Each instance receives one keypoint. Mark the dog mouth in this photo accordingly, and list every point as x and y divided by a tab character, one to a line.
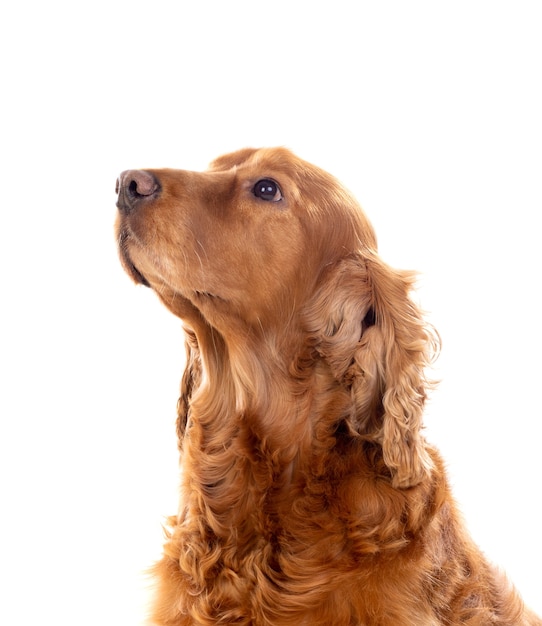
128	243
207	295
200	296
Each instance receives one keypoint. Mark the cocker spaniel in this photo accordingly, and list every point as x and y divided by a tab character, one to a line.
309	496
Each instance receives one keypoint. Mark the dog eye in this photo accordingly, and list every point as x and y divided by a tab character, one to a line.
267	189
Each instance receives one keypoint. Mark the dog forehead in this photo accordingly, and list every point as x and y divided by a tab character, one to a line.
260	159
232	160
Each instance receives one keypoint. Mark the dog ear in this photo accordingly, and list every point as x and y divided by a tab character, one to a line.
377	345
409	345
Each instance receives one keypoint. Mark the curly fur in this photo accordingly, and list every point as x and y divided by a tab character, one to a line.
308	493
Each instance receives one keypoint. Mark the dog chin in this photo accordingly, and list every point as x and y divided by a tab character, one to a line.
136	275
127	262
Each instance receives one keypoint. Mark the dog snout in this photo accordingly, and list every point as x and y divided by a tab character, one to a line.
132	187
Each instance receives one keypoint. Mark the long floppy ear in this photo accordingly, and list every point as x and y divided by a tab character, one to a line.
377	345
410	345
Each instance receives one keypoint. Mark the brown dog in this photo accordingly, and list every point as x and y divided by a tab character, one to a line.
309	496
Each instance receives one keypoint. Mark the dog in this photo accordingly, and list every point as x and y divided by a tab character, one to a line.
308	494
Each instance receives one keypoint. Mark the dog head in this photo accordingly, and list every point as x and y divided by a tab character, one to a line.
265	244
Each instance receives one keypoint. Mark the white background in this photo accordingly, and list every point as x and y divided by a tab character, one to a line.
430	112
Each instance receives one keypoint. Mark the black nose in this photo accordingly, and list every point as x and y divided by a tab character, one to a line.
133	186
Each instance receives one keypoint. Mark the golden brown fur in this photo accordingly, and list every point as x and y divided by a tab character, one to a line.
309	496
